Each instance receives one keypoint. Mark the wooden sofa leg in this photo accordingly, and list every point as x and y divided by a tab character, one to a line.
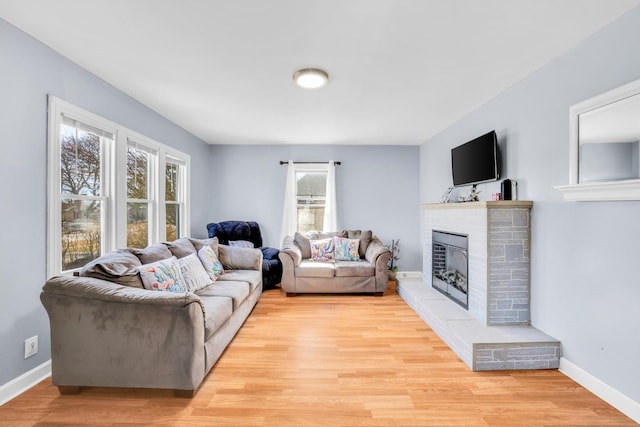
290	294
378	294
69	389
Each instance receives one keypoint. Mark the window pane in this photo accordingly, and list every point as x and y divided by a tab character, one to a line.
173	221
311	188
81	232
310	218
171	182
137	225
80	159
137	173
311	184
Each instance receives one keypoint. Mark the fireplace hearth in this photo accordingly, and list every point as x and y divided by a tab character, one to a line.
451	265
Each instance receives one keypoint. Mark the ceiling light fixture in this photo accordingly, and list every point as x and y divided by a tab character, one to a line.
311	78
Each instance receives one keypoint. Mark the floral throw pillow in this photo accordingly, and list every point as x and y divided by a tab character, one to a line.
163	275
210	262
346	249
321	250
194	274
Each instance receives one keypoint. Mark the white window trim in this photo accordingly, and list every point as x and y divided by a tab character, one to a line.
115	183
183	193
152	192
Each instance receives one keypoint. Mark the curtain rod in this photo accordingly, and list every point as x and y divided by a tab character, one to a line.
286	162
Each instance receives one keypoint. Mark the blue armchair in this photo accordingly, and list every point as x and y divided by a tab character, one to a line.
250	231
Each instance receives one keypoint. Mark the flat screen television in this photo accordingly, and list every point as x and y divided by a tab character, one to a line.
476	161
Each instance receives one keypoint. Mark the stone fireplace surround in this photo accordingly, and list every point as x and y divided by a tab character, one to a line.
495	332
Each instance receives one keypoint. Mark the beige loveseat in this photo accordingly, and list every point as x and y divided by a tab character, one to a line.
108	331
366	274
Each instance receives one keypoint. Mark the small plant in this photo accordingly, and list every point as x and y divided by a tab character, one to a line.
394	247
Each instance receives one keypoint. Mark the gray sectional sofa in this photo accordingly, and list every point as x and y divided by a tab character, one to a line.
108	331
366	273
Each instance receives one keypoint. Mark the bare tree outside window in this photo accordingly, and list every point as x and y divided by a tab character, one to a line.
137	198
81	188
172	200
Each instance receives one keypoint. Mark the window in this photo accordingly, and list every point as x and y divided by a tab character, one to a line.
140	162
83	191
310	198
106	188
174	197
311	192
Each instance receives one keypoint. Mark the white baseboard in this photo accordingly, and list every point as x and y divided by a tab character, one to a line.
604	391
24	382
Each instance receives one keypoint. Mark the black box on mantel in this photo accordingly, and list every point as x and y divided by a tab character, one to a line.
509	190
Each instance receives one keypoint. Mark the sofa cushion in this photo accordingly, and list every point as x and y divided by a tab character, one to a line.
252	277
199	243
354	269
212	266
303	240
181	247
152	253
241	244
163	275
303	243
314	269
233	258
346	249
194	274
365	237
117	267
237	291
217	309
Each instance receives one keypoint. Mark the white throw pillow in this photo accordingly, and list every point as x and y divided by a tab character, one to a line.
163	275
194	273
212	265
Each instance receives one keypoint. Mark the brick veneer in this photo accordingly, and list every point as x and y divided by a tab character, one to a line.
508	266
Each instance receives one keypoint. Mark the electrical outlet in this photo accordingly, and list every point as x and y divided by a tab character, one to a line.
30	346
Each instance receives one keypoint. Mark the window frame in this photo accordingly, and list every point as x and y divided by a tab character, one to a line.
182	192
114	175
152	193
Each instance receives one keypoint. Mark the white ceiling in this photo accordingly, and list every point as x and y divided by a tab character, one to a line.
400	70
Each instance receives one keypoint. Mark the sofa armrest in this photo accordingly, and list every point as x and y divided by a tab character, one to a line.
109	335
237	258
379	255
292	249
290	256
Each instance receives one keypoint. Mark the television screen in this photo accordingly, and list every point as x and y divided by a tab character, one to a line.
476	161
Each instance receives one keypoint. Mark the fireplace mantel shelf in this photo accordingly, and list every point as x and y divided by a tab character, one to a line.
506	204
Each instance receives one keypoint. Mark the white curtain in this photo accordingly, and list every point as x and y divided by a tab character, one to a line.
330	222
289	213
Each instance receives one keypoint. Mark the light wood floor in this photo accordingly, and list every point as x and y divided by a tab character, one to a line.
332	361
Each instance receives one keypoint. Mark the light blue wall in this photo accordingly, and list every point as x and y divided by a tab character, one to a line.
377	189
584	281
28	72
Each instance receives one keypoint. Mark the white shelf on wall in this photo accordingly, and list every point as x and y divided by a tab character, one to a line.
601	191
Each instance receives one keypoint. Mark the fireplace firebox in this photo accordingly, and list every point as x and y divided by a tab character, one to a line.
450	265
